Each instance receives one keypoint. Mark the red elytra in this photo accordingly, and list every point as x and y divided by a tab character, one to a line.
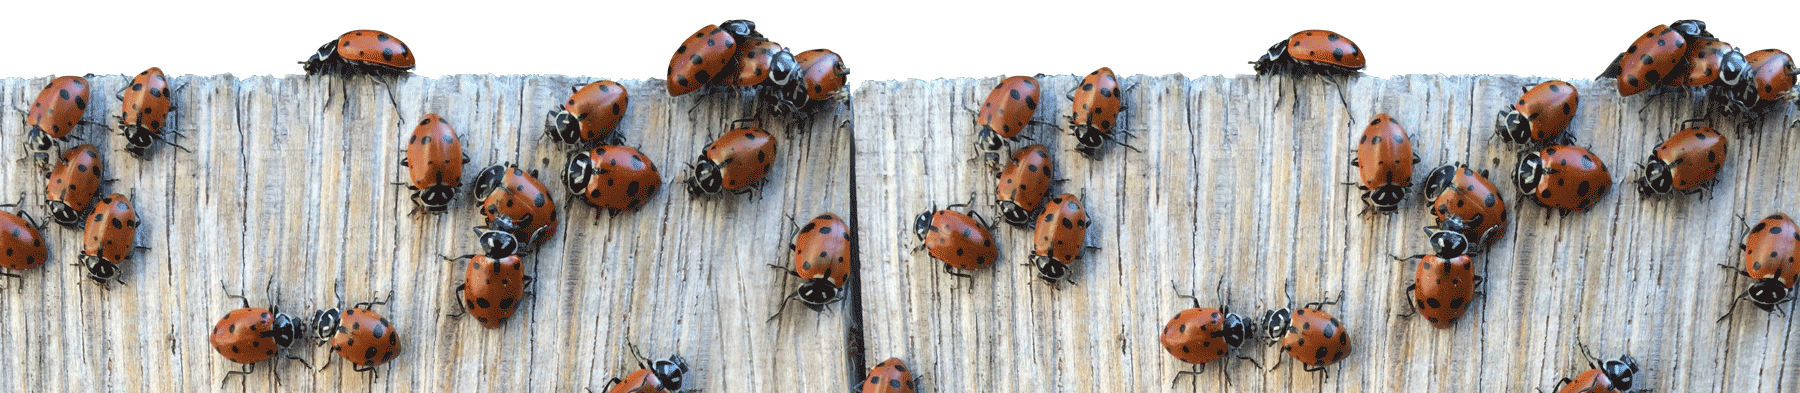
822	73
591	115
889	376
615	178
1200	335
755	62
144	110
961	241
1008	109
1773	73
1311	336
1685	162
1443	288
109	238
434	162
24	244
508	190
1566	178
1094	108
1384	161
58	108
493	288
245	335
359	335
738	162
1461	191
1701	64
659	377
1059	239
361	52
1021	187
70	188
1649	59
699	60
1310	52
1541	115
821	252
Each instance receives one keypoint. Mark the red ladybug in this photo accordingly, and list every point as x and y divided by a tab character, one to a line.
1020	189
1384	160
657	377
1709	63
703	56
889	376
1312	337
361	52
1612	376
1312	52
434	161
1199	335
822	78
1008	109
70	189
1541	115
109	239
1059	239
249	335
759	62
23	242
591	115
53	116
1771	78
615	178
962	241
821	257
506	190
1653	56
1461	192
1769	250
144	111
1566	178
1444	282
1688	161
1094	111
363	337
493	287
738	161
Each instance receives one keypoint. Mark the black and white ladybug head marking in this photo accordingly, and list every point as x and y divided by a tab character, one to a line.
707	178
576	174
1733	69
436	199
488	180
1529	172
1690	28
1237	329
922	224
325	325
1088	140
563	127
1449	241
138	140
1767	293
1438	180
100	270
326	52
783	69
38	141
1386	199
1013	214
669	372
740	28
1050	270
497	240
1275	53
1275	325
1512	126
287	329
63	214
1657	178
818	292
1620	371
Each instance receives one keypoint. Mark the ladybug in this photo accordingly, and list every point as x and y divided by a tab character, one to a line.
889	376
1009	107
53	116
1566	178
70	189
1612	376
1541	115
1688	161
1460	192
660	376
1769	250
1709	62
1771	78
1312	52
361	52
1444	282
1094	111
1199	335
144	111
1653	56
363	337
1059	239
249	335
615	178
1388	151
24	245
821	257
506	190
703	57
1312	337
493	287
759	62
108	239
962	241
591	115
1020	189
822	74
436	150
738	161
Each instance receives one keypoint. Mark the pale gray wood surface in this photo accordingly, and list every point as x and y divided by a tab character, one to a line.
1238	184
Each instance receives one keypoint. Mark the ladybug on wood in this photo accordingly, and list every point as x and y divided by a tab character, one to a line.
109	239
1459	191
1566	178
651	377
53	116
363	337
702	58
1314	338
759	62
492	287
1384	160
1710	63
822	78
1008	109
615	178
889	376
1772	75
590	116
1541	115
1059	239
70	188
1094	109
962	241
1312	52
739	162
821	252
434	162
1653	56
144	108
1444	281
506	190
1198	335
250	335
1769	250
1021	187
1611	376
23	241
1688	161
361	52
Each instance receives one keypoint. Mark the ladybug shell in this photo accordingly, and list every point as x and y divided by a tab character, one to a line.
1701	65
365	338
1468	194
1061	232
699	59
1590	381
493	288
521	194
71	187
1769	250
750	64
1196	335
1009	107
960	241
434	155
1325	47
1572	178
1650	59
59	107
1384	158
111	229
144	107
242	335
640	381
599	107
743	156
822	249
1095	105
623	179
1023	185
1549	106
374	47
1316	338
890	376
1773	68
24	245
823	71
1444	288
1692	156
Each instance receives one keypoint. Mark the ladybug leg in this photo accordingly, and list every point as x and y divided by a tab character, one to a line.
228	294
1194	373
952	271
243	373
1410	307
460	308
1189	295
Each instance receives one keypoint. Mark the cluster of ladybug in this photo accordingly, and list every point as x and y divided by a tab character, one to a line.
733	56
1683	55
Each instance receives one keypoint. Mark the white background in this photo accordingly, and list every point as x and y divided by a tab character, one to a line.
879	40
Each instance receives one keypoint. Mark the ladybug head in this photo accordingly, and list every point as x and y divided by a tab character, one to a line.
1050	270
1512	126
740	28
1276	53
286	329
576	173
1767	293
1088	139
138	140
563	127
1619	371
488	180
65	215
1733	69
782	68
1387	198
706	180
324	325
1438	180
100	270
990	142
1690	28
37	140
1237	329
1529	172
1013	214
497	239
1447	238
922	224
669	372
325	52
1275	325
817	293
1657	178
